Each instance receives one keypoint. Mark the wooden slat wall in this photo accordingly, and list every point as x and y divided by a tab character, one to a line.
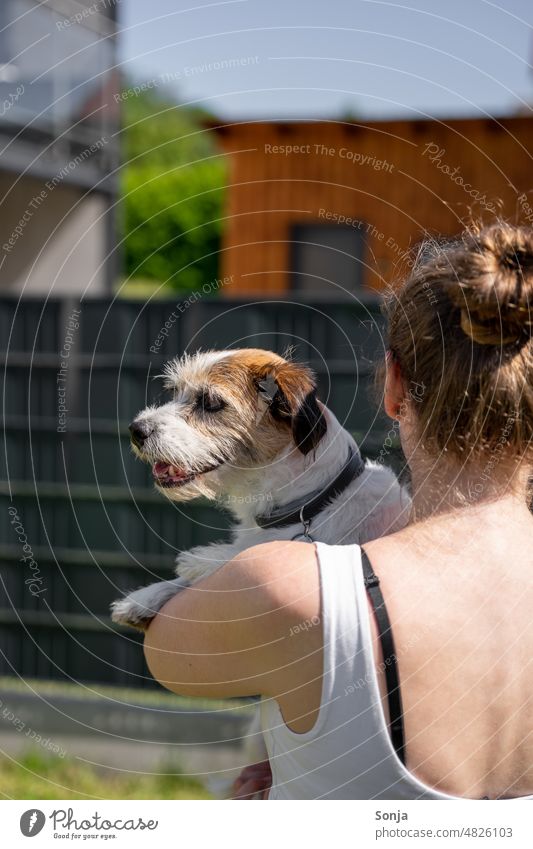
271	192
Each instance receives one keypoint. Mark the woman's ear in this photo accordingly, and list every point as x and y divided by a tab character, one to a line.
394	400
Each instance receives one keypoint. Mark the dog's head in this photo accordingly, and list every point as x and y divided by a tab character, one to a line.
227	411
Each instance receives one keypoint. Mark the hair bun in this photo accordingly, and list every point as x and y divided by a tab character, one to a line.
494	284
516	260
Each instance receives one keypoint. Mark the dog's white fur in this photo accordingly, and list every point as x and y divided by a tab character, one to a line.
262	468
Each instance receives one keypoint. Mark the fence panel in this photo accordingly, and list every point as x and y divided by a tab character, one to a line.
83	504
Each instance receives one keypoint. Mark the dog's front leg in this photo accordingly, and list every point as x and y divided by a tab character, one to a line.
139	608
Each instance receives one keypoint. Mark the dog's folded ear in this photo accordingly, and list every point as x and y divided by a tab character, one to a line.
290	391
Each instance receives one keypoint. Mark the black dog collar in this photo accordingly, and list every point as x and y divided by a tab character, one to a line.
303	511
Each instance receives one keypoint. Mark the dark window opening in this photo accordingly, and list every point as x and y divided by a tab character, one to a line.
327	259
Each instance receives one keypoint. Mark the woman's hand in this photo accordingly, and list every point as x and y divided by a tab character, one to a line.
254	782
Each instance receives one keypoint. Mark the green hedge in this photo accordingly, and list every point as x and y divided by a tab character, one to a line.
172	188
172	221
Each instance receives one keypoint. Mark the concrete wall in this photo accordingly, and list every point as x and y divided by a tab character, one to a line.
114	731
52	240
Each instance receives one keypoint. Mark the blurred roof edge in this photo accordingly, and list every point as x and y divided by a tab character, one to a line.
285	124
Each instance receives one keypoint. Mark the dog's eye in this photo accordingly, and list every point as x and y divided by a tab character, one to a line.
209	403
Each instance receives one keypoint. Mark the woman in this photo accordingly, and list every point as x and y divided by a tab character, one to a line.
295	622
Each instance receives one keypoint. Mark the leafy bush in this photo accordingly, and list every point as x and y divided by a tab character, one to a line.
173	193
172	223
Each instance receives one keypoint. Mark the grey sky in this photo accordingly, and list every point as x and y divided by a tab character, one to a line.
302	58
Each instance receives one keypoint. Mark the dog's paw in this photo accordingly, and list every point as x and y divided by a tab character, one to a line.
139	608
128	612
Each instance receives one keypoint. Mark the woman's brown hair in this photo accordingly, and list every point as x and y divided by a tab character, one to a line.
461	328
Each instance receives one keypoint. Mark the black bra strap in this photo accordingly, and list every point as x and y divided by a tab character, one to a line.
389	656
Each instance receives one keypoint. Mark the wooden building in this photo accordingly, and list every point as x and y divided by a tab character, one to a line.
327	207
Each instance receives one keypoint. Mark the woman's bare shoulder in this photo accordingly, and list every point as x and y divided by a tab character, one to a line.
274	554
286	571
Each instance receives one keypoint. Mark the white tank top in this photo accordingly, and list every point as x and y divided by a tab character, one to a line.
348	754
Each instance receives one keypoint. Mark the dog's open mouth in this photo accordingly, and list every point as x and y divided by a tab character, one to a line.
167	475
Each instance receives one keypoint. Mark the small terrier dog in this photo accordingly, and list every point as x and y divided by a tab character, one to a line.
244	428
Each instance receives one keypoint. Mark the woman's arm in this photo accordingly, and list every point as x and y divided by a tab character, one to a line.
236	633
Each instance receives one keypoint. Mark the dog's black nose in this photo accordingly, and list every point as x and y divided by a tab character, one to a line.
140	431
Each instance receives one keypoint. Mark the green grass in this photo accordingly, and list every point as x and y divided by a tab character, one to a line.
37	776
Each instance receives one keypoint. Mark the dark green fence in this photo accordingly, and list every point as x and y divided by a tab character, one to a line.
73	494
